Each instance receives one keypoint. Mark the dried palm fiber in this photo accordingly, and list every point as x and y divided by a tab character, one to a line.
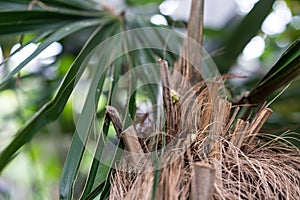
245	167
246	164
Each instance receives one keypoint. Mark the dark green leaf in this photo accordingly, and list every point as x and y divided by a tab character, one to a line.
242	34
85	123
142	2
51	5
100	145
79	4
286	69
96	163
77	147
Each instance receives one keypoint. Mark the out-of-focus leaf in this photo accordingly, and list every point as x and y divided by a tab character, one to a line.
78	5
15	29
142	2
286	69
56	36
28	16
242	34
21	21
291	54
37	39
52	109
14	5
37	16
6	44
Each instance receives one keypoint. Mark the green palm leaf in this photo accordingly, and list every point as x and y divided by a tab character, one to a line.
56	36
84	124
51	110
236	41
286	69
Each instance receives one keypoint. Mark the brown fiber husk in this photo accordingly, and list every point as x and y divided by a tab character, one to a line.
245	164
